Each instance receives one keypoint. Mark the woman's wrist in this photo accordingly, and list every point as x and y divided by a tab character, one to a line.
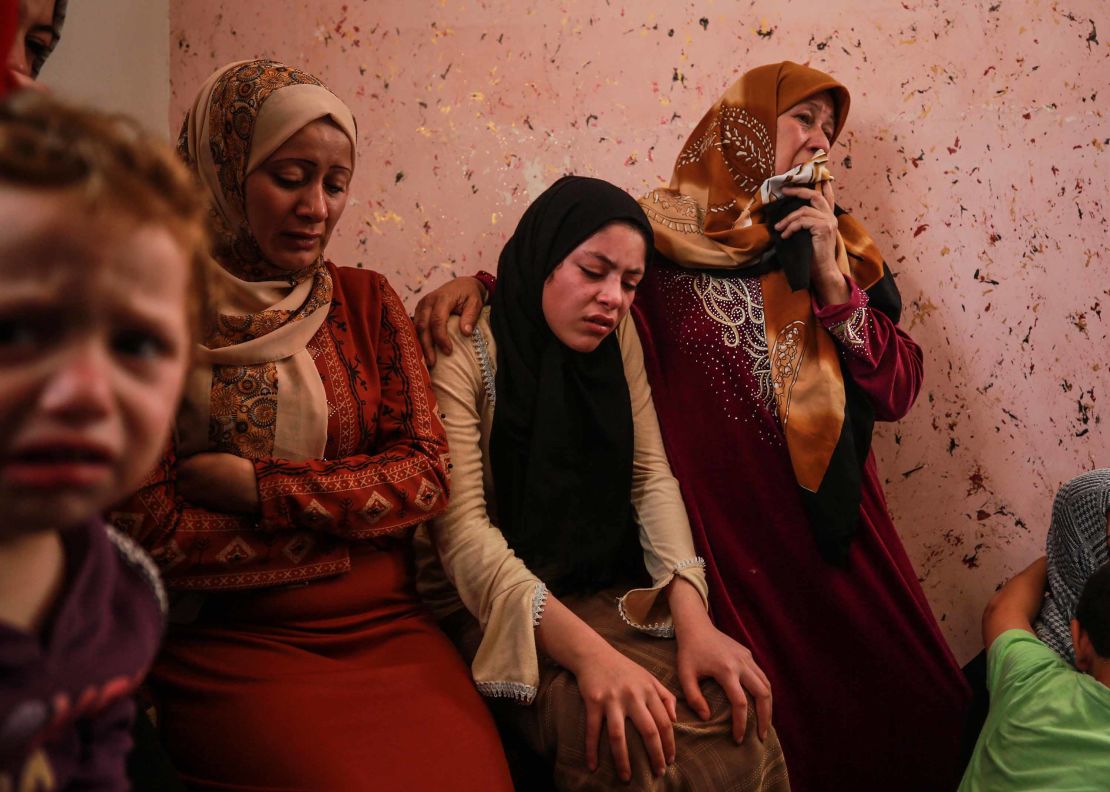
487	282
831	288
687	607
567	639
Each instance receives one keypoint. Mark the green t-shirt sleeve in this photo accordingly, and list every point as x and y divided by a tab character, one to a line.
1015	657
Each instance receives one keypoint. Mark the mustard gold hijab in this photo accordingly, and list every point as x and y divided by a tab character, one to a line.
717	214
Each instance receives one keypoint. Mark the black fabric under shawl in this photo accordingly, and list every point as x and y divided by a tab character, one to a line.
561	443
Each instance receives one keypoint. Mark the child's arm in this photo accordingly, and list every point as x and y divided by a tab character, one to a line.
1017	603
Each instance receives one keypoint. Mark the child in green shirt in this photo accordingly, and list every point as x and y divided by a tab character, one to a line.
1049	724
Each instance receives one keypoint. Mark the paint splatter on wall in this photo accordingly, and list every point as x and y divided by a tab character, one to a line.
974	153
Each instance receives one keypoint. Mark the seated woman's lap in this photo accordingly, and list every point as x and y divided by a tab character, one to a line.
373	697
554	725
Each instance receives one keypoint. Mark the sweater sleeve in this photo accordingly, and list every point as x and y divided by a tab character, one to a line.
403	482
877	354
494	584
308	509
657	501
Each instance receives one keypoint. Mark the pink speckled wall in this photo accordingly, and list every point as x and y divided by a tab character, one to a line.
974	152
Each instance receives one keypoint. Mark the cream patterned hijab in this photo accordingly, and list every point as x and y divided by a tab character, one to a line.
261	395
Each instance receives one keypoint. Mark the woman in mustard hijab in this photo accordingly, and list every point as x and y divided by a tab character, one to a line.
769	324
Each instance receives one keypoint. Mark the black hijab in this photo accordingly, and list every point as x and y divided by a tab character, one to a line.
561	444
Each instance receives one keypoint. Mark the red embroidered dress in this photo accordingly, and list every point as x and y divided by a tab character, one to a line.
384	468
311	663
299	687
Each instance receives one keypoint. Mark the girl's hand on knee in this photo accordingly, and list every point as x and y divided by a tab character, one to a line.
615	689
708	652
705	651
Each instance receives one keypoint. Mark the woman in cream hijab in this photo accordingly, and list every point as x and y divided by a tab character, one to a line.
306	452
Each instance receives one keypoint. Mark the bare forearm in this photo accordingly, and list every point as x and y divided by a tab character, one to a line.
687	608
830	287
1017	603
567	639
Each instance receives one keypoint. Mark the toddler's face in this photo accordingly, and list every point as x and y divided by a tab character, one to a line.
94	345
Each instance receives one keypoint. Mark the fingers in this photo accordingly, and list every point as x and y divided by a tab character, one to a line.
688	679
471	309
441	310
646	723
756	684
593	734
817	197
665	726
739	701
806	217
421	320
668	699
651	717
614	718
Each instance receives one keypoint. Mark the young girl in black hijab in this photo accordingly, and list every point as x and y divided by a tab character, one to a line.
562	500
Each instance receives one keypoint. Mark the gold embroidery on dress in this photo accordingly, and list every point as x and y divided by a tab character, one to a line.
786	363
736	304
852	331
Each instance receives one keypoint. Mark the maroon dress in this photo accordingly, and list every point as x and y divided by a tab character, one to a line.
867	694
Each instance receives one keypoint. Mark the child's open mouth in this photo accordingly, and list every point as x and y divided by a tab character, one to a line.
67	464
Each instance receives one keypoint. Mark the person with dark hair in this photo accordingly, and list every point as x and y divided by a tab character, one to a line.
571	581
103	294
38	31
1049	724
769	323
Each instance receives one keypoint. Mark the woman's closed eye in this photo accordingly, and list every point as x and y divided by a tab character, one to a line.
37	45
289	178
36	50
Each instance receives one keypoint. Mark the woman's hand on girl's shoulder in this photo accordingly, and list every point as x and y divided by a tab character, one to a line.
464	296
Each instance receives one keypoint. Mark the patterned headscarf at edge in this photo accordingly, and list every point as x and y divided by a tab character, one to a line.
58	21
711	217
1077	547
261	396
